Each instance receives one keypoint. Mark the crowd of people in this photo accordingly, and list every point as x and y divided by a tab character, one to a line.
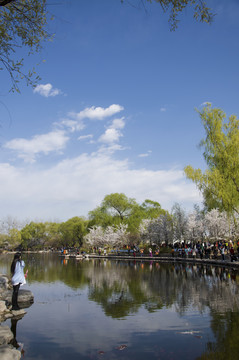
223	250
206	250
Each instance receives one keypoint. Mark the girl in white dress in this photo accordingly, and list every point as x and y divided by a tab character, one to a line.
18	278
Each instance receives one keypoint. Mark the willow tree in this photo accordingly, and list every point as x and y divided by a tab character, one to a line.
22	25
219	183
119	205
201	11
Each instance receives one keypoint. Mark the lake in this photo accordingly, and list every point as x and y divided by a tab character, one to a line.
109	309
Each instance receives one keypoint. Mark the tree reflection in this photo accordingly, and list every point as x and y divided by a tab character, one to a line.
225	327
50	268
122	288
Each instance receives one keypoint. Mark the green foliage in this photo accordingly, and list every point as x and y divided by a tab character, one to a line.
22	25
176	7
118	205
152	209
14	238
225	328
49	234
148	210
134	220
114	209
100	216
53	235
3	240
219	184
33	235
117	208
72	231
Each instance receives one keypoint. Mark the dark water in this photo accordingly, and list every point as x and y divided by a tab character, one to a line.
94	309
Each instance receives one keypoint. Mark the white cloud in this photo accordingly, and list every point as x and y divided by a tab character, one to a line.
145	154
85	137
108	149
99	113
163	109
71	125
110	136
76	186
74	121
45	143
118	123
46	90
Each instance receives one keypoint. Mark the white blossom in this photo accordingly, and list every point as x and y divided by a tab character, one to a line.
112	236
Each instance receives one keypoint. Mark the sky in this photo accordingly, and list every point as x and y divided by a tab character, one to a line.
115	109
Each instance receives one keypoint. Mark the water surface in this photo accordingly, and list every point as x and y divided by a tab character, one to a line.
95	309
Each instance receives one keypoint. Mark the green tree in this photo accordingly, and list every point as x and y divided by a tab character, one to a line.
53	235
176	7
100	216
22	25
152	209
219	183
4	241
148	210
118	205
117	208
34	235
14	237
73	231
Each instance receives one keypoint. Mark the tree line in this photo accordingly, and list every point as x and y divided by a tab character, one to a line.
121	221
115	210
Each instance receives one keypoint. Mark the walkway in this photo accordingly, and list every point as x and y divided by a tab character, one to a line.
169	259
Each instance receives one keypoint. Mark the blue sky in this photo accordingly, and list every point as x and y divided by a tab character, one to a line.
115	108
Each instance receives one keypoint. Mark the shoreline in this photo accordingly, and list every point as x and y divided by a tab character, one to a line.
168	259
138	258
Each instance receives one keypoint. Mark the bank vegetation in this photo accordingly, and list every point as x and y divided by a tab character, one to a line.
118	222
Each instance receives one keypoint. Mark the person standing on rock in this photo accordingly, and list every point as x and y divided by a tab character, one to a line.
18	278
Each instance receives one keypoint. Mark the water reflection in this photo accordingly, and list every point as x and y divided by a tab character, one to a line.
165	311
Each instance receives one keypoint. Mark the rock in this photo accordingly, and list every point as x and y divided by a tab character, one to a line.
5	335
18	313
4	311
7	352
7	316
25	297
4	282
4	294
3	307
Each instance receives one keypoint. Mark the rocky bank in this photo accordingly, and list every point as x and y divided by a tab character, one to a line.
7	338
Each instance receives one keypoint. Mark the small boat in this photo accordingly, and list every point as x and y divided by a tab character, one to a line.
77	256
80	256
64	256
